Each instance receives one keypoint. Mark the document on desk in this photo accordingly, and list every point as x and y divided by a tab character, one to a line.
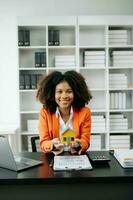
71	162
124	157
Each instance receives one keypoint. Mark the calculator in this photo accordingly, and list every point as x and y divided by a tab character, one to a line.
99	156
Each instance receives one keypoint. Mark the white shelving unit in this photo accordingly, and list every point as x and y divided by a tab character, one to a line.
77	36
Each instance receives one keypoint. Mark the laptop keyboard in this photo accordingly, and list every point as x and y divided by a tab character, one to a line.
22	162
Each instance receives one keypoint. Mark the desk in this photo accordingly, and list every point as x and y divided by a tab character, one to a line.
107	182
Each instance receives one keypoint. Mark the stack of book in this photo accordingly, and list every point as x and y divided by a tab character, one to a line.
124	157
29	144
118	122
40	59
95	143
29	81
117	100
98	123
118	37
117	81
23	37
122	58
53	37
94	58
65	61
119	141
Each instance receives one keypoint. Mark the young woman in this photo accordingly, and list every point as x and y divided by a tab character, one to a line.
64	96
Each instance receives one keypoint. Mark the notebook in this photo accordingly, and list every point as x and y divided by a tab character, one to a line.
124	157
70	162
15	163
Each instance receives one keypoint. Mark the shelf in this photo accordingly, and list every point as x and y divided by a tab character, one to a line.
62	47
122	110
28	133
123	89
31	68
123	131
30	112
76	36
31	47
34	90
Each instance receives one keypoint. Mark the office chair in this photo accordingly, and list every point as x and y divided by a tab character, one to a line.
33	143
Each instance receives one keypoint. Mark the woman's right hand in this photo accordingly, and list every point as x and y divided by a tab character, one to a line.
58	147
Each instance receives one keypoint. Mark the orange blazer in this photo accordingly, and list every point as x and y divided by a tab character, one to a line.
49	128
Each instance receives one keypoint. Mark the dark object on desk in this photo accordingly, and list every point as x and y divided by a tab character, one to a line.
33	143
100	157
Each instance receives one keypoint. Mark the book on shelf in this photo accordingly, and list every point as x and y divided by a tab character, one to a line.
118	32
98	123
123	57
120	141
120	146
65	57
124	157
122	52
65	60
120	137
118	36
117	100
116	116
94	65
93	61
94	57
94	53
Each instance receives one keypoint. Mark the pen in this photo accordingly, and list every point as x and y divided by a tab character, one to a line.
128	159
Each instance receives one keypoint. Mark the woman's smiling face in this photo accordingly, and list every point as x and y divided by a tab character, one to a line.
64	95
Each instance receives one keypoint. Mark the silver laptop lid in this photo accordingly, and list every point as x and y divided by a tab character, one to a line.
6	155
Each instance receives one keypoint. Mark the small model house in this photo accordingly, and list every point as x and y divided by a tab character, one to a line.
68	137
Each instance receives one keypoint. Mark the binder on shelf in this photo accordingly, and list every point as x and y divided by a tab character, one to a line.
33	81
43	59
37	59
50	37
20	37
56	38
26	37
38	78
27	81
21	82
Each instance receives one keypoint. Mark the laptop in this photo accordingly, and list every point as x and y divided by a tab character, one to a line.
12	162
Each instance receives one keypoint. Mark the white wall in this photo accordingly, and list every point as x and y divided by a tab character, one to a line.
9	10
